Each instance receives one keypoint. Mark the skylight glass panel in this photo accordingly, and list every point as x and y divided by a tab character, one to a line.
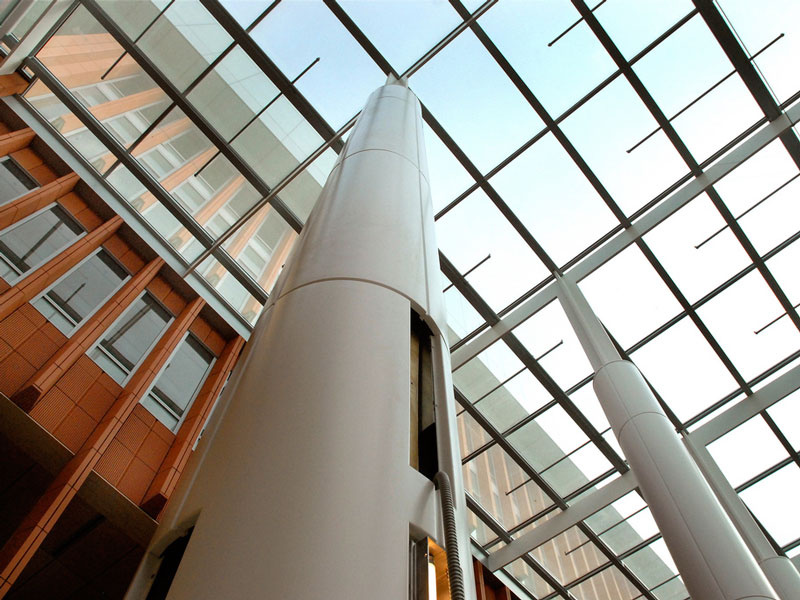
244	11
471	435
478	530
468	93
502	488
476	228
133	16
676	79
757	24
277	141
447	177
233	93
608	583
684	369
734	317
302	193
747	451
775	219
696	248
553	199
629	297
606	128
569	555
566	364
387	25
559	450
786	415
342	60
184	41
462	318
559	66
586	401
774	503
654	567
528	578
633	24
519	396
482	374
623	524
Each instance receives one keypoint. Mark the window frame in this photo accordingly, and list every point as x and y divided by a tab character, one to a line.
151	393
35	267
98	345
36	184
44	295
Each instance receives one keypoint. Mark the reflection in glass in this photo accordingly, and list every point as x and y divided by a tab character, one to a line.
131	337
81	291
31	242
179	382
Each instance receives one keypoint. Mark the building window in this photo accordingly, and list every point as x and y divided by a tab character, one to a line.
80	292
131	337
34	240
179	382
14	181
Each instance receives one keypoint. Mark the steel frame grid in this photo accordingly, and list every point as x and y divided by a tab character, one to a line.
481	182
758	262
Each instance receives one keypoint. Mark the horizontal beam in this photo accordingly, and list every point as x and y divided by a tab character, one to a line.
665	209
747	408
559	523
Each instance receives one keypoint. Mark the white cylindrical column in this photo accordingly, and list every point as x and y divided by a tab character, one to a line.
780	571
301	486
713	561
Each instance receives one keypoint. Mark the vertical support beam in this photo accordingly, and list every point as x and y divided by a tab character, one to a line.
37	281
15	140
315	424
83	339
174	462
780	571
711	557
36	199
41	519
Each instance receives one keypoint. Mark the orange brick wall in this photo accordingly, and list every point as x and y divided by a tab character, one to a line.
77	403
27	340
132	459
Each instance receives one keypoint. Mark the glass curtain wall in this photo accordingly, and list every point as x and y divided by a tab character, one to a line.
616	142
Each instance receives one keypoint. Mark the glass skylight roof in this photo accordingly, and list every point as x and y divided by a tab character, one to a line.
616	142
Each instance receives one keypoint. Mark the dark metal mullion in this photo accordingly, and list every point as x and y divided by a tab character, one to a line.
259	57
493	196
685	154
152	127
540	110
501	533
549	491
564	401
755	381
137	38
181	102
262	16
747	71
361	38
781	437
533	365
764	474
750	267
687	308
142	175
625	569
